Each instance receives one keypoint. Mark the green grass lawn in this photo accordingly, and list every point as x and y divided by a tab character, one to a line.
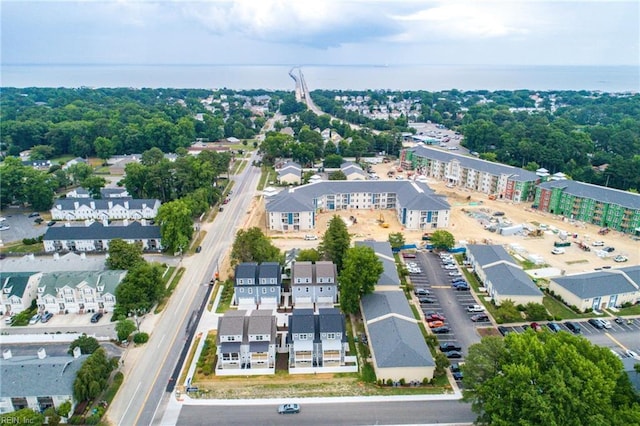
559	309
268	174
632	310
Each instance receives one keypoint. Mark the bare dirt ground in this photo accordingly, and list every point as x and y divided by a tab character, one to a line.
465	205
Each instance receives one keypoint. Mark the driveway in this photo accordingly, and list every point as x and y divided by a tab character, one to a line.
21	225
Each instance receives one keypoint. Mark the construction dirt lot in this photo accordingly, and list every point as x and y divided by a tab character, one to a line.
470	212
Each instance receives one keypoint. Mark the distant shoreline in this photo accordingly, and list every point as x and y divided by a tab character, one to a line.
611	79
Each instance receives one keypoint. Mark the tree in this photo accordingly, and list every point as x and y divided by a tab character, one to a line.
333	161
507	312
442	362
53	418
87	344
176	226
94	184
104	148
251	245
336	241
442	239
79	172
64	409
359	275
308	255
140	289
124	328
337	175
396	239
124	255
547	378
92	377
536	312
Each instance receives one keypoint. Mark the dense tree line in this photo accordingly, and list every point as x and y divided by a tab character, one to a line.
93	376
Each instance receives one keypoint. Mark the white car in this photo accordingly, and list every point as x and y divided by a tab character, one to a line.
34	319
605	323
597	243
557	250
632	354
310	237
455	274
475	308
5	228
450	267
619	258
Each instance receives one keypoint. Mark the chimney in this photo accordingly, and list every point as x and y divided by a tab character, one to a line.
6	354
76	205
143	222
110	204
77	352
125	222
42	354
105	222
88	222
126	205
92	204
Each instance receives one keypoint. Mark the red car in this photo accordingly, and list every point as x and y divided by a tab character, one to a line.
536	327
434	317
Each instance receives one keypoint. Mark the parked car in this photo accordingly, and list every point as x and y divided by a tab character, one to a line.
46	317
462	288
38	220
596	323
426	300
503	330
51	223
535	326
457	375
421	292
450	267
5	228
475	308
198	249
440	330
598	243
455	274
34	214
574	327
498	214
35	319
450	346
435	323
458	280
434	316
310	237
558	250
453	354
605	323
619	258
608	249
480	318
619	320
9	320
289	409
455	367
632	354
96	317
553	327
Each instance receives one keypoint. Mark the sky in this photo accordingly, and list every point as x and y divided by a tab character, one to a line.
321	32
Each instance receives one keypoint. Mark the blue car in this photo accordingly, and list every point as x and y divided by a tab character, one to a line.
553	327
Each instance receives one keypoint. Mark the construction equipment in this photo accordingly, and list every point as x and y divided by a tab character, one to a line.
536	233
603	231
492	196
584	246
382	222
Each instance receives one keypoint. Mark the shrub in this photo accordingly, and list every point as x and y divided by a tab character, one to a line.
207	369
368	374
403	381
389	382
140	338
76	420
425	381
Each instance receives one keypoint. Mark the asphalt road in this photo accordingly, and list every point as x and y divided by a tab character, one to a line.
140	399
364	413
20	225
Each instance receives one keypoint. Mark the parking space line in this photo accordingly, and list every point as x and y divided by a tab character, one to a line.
614	340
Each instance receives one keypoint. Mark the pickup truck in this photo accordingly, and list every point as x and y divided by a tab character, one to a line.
475	308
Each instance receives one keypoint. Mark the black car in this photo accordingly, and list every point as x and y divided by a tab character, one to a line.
608	249
462	288
455	367
426	300
573	327
34	214
421	292
450	346
453	354
458	280
440	330
480	318
503	330
457	375
96	317
596	323
51	223
198	249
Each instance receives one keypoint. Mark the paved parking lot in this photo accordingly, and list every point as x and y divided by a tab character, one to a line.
20	225
448	302
619	337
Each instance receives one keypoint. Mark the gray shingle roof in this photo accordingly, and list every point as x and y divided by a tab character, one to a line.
103	203
497	169
383	251
302	321
262	322
331	320
380	303
487	254
600	283
231	323
410	194
246	270
595	192
510	280
97	231
24	376
270	270
399	343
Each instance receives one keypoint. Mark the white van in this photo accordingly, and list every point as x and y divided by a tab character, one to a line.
310	237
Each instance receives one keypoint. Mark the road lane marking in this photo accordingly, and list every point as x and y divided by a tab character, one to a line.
614	340
129	405
160	342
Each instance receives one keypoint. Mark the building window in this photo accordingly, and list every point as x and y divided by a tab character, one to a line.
259	338
231	338
331	336
273	289
240	281
241	290
320	289
306	289
264	291
302	336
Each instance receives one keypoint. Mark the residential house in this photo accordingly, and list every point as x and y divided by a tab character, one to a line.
316	340
19	289
37	382
585	202
96	237
78	292
290	174
599	290
398	348
353	171
257	285
73	162
502	276
246	342
104	209
503	181
314	284
414	204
